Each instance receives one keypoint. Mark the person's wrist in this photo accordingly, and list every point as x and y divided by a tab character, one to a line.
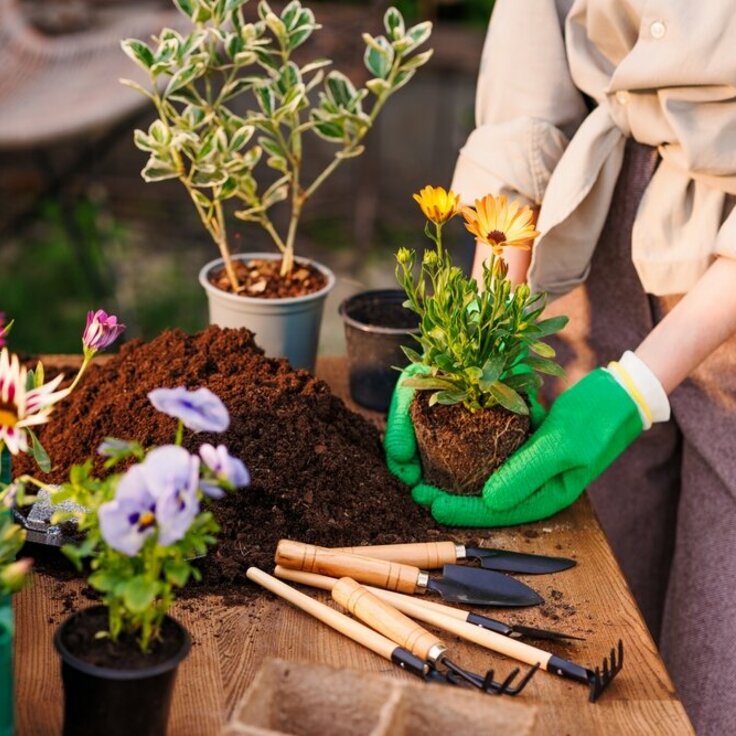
643	386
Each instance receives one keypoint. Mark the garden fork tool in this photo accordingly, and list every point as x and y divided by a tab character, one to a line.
386	619
445	617
351	628
460	584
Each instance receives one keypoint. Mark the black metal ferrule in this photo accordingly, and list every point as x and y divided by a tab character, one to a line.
489	624
407	661
559	666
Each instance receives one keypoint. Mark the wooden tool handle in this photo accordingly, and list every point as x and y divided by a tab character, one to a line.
386	619
381	573
425	555
338	621
488	639
444	617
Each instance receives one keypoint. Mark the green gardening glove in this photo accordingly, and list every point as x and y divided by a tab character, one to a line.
587	428
399	441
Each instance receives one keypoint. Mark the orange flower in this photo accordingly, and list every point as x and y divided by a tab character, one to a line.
497	222
438	205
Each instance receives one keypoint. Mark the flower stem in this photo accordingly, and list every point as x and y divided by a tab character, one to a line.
82	369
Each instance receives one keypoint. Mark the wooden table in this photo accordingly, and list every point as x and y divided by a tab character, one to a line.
231	641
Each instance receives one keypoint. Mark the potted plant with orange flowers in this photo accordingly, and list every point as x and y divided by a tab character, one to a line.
235	107
464	402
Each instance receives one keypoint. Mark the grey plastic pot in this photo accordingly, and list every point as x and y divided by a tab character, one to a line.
376	326
284	328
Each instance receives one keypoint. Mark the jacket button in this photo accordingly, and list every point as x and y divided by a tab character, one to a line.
657	29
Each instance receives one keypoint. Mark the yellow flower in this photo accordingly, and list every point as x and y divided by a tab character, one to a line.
497	222
438	205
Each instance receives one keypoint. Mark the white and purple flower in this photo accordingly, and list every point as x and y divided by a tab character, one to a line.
22	408
199	410
101	331
227	471
159	494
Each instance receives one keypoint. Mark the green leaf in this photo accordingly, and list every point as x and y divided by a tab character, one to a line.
186	7
549	326
103	580
177	572
39	454
491	371
508	398
447	397
413	355
290	14
378	86
139	594
394	23
419	60
543	365
137	87
340	89
331	131
379	57
157	170
139	52
540	348
402	78
183	77
241	137
264	95
419	34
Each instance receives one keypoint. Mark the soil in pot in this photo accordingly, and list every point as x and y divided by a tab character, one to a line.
318	470
458	448
262	279
113	688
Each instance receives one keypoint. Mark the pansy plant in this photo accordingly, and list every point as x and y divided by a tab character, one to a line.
143	527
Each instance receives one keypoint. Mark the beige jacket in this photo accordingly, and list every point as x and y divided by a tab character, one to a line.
662	71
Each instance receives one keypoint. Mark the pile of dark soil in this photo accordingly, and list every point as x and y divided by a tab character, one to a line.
318	473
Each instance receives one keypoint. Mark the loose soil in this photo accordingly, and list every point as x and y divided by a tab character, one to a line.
459	449
318	471
262	279
79	637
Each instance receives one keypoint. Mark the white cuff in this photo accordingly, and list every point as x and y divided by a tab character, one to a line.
647	385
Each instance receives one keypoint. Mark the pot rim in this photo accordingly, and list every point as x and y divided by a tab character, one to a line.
110	673
374	329
210	288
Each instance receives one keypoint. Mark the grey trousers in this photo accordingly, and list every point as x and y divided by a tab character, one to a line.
668	504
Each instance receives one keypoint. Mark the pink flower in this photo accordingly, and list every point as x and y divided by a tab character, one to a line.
101	331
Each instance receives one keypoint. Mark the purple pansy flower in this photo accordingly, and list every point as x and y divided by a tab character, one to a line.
200	410
158	494
174	475
228	470
127	520
101	331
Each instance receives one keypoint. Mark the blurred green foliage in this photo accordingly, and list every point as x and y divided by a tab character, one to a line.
69	262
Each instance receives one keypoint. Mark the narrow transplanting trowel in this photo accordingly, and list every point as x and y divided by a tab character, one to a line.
460	584
433	555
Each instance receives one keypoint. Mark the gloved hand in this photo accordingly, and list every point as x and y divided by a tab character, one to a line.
400	443
587	428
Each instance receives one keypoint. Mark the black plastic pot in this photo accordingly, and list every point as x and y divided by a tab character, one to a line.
117	702
376	326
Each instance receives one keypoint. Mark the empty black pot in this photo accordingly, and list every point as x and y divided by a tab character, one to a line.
117	702
376	326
